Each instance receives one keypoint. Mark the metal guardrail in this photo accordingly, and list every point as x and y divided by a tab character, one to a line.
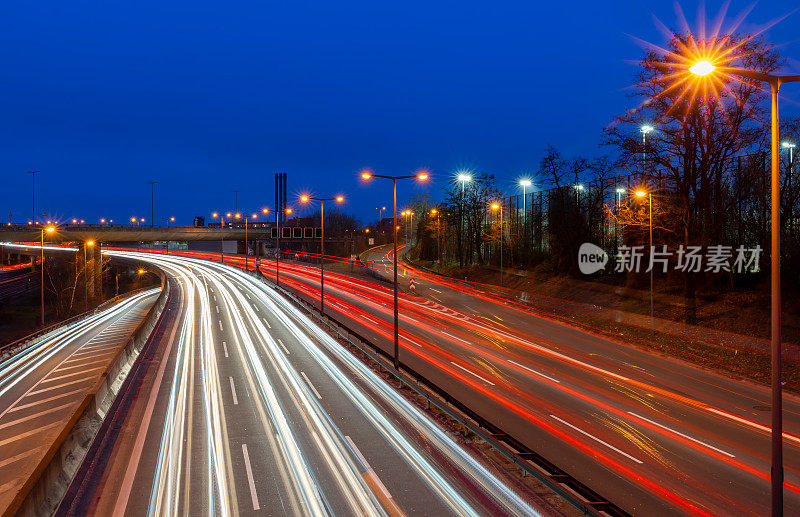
575	493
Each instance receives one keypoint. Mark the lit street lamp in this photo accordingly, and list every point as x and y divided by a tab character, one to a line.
525	183
790	146
495	208
704	68
305	199
642	193
48	229
463	178
421	176
438	238
85	277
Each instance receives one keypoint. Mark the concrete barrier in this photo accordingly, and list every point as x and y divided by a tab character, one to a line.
41	494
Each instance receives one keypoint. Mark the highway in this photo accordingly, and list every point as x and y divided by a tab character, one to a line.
249	407
41	386
651	433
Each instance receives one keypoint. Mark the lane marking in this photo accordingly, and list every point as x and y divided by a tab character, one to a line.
233	392
217	307
42	401
311	385
597	439
225	348
31	432
695	440
438	291
220	324
248	296
283	346
487	381
85	379
267	323
48	379
533	371
215	297
256	308
374	482
18	457
250	480
745	421
36	415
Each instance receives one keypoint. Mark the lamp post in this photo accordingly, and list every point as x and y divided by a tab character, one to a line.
421	176
85	277
48	229
704	68
306	199
642	193
645	129
463	178
525	183
790	169
495	208
278	243
221	235
619	191
438	239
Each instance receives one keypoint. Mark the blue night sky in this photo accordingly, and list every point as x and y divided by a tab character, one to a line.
208	97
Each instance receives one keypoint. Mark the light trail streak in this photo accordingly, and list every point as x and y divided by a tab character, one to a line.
331	447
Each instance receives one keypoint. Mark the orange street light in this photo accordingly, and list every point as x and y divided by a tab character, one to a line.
702	68
288	211
339	199
265	210
641	193
215	215
304	199
366	175
228	214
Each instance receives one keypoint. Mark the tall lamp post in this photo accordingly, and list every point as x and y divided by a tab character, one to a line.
642	193
495	208
48	229
306	199
438	238
421	176
704	68
277	243
86	277
463	178
525	183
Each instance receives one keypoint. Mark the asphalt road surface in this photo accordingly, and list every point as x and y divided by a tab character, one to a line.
250	408
653	434
41	386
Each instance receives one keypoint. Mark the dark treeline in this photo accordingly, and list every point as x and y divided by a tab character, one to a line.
706	165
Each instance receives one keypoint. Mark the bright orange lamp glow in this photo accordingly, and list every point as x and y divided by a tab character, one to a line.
641	193
702	68
304	199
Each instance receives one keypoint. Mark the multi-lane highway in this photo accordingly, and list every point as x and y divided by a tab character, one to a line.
41	386
651	433
249	407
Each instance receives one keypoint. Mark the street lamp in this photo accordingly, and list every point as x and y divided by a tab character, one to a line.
524	183
305	199
438	238
85	277
278	244
421	176
645	129
495	208
48	229
214	215
462	178
642	193
704	68
790	146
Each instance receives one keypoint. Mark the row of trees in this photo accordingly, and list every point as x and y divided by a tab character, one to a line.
706	166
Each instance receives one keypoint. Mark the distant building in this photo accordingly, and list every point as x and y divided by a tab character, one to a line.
199	221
